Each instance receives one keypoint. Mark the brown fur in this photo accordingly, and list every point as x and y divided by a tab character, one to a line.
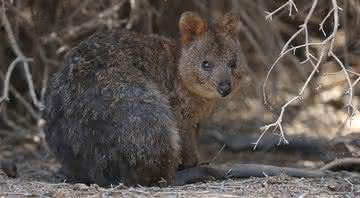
126	107
191	27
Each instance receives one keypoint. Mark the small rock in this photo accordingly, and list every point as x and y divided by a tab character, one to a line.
3	176
81	187
9	168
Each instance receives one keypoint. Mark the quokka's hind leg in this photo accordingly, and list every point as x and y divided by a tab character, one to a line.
114	133
141	143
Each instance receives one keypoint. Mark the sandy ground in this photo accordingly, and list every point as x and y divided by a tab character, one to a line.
280	186
38	173
39	177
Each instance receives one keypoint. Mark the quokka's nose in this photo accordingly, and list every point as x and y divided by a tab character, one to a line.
224	88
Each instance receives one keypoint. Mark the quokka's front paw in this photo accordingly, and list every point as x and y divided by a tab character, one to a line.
189	161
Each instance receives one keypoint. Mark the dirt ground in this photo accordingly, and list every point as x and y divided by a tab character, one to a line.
38	172
280	186
38	176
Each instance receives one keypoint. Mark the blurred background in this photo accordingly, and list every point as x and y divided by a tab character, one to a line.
318	127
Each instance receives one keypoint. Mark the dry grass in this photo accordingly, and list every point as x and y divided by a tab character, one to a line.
280	186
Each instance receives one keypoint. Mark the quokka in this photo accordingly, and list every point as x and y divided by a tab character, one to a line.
125	107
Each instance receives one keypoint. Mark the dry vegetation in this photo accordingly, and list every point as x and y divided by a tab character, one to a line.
303	58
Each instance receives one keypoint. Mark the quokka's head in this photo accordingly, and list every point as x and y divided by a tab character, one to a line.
210	64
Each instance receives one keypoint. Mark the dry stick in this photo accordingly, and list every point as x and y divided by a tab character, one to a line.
204	173
325	49
331	53
44	83
5	95
11	123
349	106
324	20
22	100
70	32
26	104
20	58
21	119
285	49
303	28
307	52
289	3
350	90
340	163
82	6
351	109
278	123
355	82
217	154
347	33
298	65
336	25
341	128
36	115
328	87
41	53
273	45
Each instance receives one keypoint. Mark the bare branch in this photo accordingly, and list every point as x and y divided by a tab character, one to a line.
88	26
21	58
289	3
326	47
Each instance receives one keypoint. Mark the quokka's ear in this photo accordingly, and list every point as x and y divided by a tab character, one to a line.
192	26
231	24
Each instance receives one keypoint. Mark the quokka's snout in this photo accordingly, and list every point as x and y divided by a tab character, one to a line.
224	88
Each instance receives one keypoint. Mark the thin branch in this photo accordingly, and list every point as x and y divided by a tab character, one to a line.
73	31
324	20
289	3
278	122
326	49
336	25
21	58
350	90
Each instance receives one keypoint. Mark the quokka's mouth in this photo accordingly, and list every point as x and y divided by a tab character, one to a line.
223	94
224	88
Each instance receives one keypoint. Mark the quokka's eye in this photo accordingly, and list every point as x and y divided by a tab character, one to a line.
232	64
205	65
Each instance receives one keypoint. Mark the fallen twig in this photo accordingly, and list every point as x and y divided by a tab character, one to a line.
219	172
21	58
